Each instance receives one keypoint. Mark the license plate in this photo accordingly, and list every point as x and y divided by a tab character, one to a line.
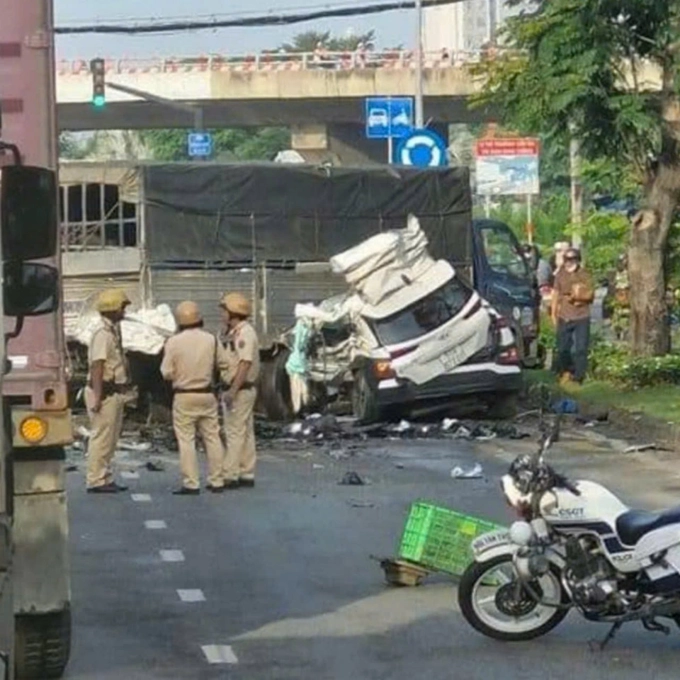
491	540
454	357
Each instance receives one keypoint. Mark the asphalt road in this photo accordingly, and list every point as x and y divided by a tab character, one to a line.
278	583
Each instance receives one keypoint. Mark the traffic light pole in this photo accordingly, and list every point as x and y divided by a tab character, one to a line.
196	111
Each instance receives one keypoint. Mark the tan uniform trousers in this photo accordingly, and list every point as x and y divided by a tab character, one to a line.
107	425
239	428
192	412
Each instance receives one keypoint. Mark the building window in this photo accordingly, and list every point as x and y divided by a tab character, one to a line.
93	217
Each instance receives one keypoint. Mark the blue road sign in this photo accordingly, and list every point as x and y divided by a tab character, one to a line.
199	144
422	149
389	117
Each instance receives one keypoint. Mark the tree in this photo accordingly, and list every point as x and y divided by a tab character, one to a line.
582	68
307	42
229	144
70	148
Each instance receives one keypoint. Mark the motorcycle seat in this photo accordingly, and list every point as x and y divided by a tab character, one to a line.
634	524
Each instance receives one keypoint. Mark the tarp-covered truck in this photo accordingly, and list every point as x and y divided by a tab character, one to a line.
169	232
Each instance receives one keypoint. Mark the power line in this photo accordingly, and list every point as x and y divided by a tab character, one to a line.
246	22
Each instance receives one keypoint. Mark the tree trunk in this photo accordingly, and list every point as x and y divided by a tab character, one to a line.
650	330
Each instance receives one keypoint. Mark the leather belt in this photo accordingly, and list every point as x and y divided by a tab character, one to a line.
111	388
245	386
196	390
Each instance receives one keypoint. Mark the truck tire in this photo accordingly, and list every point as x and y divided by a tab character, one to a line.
502	406
42	645
364	403
274	388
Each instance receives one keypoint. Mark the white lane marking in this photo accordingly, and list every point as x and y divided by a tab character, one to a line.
155	524
129	475
191	595
141	497
219	654
172	555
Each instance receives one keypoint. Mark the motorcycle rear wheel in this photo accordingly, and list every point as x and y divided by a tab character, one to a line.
532	620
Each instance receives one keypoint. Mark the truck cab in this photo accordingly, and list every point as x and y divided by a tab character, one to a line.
503	277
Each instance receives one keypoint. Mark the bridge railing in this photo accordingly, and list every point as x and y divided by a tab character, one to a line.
282	61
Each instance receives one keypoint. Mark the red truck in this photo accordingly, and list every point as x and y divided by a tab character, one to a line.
37	421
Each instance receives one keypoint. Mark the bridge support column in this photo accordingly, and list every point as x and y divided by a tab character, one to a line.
344	143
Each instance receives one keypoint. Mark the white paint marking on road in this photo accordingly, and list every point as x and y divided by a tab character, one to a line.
141	497
172	555
219	654
191	595
126	474
155	524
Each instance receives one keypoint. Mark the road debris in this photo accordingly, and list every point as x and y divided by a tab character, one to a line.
353	503
475	472
641	448
352	479
154	466
322	429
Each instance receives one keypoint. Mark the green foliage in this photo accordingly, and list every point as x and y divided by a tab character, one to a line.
230	144
617	366
605	237
572	75
71	148
307	42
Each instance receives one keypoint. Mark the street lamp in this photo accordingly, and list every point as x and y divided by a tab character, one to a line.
420	115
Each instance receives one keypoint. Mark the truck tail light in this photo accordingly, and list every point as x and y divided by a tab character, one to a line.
382	369
33	429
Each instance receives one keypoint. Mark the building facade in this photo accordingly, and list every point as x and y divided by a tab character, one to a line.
466	26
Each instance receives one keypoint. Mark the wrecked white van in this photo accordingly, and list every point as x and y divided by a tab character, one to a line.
409	336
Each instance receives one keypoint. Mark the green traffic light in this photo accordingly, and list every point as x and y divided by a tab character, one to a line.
99	100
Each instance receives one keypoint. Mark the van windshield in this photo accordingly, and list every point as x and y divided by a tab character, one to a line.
425	315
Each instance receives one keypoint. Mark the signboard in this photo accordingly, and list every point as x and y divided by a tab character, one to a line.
389	117
199	144
507	166
422	149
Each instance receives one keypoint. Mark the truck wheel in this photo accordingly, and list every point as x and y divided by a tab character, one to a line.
502	406
42	645
275	388
364	403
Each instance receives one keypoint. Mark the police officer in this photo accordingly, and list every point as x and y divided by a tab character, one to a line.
243	358
193	361
108	383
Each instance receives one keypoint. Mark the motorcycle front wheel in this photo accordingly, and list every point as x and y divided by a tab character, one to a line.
492	602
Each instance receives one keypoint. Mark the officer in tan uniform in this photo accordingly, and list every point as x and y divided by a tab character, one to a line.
107	385
194	361
243	358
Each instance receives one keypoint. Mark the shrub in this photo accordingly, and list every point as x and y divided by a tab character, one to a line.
616	365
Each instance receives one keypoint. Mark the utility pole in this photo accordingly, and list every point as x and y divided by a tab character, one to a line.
420	113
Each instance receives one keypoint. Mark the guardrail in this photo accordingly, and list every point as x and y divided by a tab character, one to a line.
284	61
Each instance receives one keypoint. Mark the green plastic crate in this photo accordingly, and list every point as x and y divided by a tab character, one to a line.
439	538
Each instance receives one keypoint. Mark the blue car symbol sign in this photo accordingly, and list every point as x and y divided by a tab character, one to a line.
423	149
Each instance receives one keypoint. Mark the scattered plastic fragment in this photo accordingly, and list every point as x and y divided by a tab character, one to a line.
473	473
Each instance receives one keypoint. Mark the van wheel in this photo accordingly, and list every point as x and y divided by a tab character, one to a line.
274	387
502	406
364	403
42	645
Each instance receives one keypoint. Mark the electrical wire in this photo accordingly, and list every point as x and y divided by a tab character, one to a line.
246	22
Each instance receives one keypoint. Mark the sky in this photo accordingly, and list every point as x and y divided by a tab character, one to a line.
391	28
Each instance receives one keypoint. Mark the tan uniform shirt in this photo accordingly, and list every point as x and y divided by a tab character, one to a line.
564	282
107	346
243	345
191	358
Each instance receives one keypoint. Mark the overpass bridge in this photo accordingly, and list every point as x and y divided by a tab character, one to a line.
319	97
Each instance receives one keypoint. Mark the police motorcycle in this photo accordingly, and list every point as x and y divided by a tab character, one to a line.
575	546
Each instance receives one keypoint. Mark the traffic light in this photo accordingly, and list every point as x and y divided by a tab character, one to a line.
98	70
